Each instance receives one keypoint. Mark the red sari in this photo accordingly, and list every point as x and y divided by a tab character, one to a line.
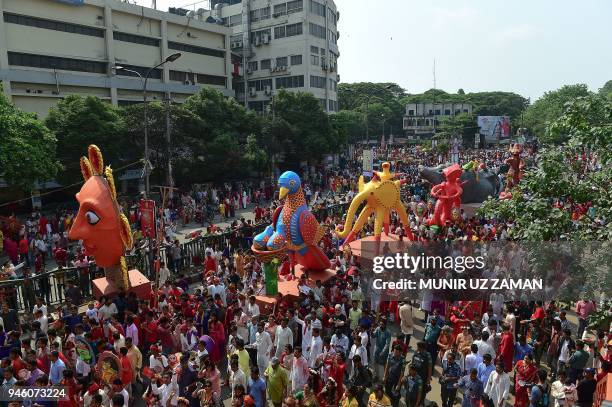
337	373
217	332
506	351
525	373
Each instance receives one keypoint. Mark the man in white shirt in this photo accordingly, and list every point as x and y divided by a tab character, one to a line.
316	347
472	359
236	376
157	361
282	338
168	391
164	274
107	310
340	342
358	349
44	321
299	370
484	346
407	323
263	344
252	309
132	330
119	389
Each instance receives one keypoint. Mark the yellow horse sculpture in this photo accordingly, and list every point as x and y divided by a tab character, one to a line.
381	195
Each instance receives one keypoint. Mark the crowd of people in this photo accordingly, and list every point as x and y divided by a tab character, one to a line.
337	344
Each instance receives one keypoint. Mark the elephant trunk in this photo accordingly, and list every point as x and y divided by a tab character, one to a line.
348	223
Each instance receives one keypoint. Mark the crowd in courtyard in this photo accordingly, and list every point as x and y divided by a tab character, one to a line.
338	344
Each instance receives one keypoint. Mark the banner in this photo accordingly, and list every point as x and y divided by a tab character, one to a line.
368	163
271	277
147	217
494	127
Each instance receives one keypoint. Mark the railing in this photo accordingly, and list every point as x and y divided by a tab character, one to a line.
603	390
51	285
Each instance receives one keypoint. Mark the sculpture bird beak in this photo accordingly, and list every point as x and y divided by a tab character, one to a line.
282	193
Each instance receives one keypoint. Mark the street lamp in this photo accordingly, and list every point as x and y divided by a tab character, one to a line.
170	58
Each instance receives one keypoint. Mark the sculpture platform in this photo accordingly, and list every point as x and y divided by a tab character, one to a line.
139	284
365	248
290	288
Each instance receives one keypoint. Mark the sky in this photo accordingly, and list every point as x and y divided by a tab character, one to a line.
523	46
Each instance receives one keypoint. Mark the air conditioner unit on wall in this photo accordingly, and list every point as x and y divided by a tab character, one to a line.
187	82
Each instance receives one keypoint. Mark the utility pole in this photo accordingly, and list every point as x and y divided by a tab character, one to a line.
170	180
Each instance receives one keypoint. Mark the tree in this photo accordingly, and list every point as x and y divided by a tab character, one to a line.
310	135
549	107
606	90
461	126
355	96
255	155
77	122
561	175
350	123
185	127
27	147
461	91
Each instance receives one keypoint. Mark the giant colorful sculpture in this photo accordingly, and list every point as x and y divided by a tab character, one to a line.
478	183
104	230
448	195
294	228
381	196
516	166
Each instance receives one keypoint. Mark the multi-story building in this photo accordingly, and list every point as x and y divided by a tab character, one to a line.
282	44
51	48
421	119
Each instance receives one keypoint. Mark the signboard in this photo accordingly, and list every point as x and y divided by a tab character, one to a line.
476	140
147	217
36	201
494	127
72	2
368	162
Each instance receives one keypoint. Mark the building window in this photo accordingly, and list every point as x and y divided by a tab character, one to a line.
211	79
296	60
252	66
260	14
290	82
437	112
260	84
196	50
236	38
294	29
47	62
156	74
332	37
317	82
295	6
53	25
317	8
431	112
261	36
457	111
333	105
332	16
266	63
235	20
281	61
447	112
317	30
323	103
280	9
314	50
314	60
410	112
136	39
287	30
465	111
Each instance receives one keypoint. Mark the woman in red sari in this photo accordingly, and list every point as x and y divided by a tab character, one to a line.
216	331
337	373
506	348
525	375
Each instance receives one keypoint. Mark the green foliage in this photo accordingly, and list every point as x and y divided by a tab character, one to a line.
606	90
255	155
79	121
310	133
548	108
350	124
27	147
558	174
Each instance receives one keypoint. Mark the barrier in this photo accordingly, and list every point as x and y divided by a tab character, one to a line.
51	285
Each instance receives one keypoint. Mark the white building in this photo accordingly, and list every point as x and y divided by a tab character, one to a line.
421	119
282	44
52	48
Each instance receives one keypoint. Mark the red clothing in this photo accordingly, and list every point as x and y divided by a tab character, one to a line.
538	314
525	373
210	264
217	333
506	351
60	255
18	364
126	370
337	373
151	337
24	246
71	385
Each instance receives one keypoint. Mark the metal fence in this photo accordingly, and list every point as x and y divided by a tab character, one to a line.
52	285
